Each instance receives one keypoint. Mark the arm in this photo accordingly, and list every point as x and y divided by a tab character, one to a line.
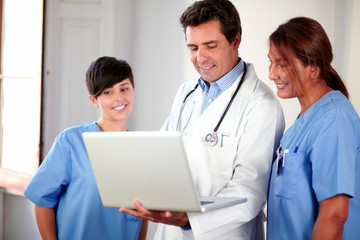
143	230
333	213
45	218
260	130
179	219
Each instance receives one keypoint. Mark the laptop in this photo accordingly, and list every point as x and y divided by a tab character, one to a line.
148	166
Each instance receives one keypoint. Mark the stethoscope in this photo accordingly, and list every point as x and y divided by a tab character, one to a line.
211	138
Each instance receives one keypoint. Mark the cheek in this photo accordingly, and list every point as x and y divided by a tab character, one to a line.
130	98
284	76
105	103
192	57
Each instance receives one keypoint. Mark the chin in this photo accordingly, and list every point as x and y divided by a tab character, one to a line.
282	95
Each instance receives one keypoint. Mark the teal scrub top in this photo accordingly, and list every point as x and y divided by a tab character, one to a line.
65	182
319	158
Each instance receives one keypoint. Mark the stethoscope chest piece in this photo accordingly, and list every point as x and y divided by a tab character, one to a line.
211	138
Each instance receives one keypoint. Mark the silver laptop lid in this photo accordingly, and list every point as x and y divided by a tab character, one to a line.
148	166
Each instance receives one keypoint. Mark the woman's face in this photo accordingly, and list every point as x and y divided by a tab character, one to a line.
279	72
116	102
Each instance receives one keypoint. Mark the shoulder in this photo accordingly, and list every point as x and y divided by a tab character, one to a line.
187	86
254	86
335	113
184	89
335	105
75	132
258	91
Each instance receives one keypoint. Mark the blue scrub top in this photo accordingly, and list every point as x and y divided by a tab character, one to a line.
65	182
319	158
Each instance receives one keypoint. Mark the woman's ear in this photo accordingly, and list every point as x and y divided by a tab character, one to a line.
315	72
93	100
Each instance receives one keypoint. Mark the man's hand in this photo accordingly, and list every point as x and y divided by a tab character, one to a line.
179	219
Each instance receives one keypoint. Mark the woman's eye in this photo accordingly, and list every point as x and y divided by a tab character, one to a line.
125	89
107	92
283	64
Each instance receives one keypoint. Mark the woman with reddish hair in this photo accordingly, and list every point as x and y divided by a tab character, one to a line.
315	181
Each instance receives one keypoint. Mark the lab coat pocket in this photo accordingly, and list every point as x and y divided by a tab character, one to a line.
286	180
222	158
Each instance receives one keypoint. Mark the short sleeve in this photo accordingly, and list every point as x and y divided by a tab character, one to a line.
332	144
52	176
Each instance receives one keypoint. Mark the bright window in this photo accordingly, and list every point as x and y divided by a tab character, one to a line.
21	60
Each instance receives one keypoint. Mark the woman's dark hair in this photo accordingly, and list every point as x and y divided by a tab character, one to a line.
105	72
207	10
306	40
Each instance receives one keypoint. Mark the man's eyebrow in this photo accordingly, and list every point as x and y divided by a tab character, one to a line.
204	43
191	45
210	42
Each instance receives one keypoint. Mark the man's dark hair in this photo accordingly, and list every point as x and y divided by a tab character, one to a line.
209	10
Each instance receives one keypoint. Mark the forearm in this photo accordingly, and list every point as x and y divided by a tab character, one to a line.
143	230
45	218
327	230
333	213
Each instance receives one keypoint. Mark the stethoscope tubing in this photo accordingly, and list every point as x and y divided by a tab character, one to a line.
232	99
212	138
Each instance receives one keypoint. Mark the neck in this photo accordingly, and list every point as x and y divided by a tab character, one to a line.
312	94
106	126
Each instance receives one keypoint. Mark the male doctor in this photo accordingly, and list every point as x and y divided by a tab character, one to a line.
230	153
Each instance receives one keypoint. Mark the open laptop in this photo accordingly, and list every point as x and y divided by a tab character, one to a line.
147	166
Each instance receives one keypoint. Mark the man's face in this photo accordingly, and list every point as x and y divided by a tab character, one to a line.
210	52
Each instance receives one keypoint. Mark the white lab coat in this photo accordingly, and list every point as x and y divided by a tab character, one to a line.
239	165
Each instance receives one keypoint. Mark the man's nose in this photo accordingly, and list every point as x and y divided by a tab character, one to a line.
202	55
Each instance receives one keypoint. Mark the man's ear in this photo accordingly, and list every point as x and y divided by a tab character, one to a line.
236	41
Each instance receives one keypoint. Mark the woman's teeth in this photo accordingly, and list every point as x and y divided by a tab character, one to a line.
281	85
119	108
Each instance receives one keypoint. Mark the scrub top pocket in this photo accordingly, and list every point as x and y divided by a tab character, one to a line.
287	177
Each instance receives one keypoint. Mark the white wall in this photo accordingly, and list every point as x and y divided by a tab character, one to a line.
260	19
149	36
159	55
346	46
19	219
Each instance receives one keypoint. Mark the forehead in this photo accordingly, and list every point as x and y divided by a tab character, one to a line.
274	53
124	82
120	83
205	32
